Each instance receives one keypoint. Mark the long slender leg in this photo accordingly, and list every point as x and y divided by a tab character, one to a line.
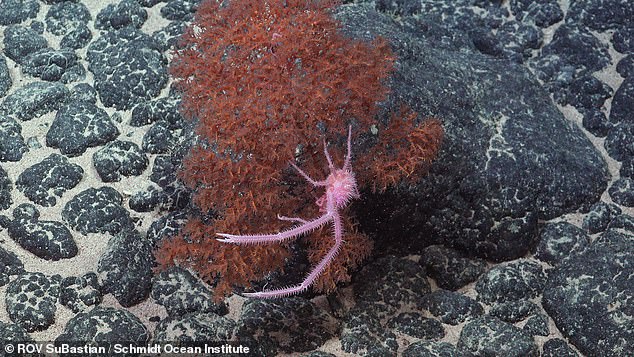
308	178
314	274
330	164
292	219
277	237
347	163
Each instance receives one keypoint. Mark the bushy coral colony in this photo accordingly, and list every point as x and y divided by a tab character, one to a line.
266	81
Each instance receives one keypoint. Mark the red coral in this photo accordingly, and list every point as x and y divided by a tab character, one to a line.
261	78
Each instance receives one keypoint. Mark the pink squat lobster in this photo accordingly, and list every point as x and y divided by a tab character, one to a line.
341	187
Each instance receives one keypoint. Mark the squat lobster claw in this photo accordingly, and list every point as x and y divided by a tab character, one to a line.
341	188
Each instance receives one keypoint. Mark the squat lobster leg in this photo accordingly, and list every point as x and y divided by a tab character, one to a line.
341	187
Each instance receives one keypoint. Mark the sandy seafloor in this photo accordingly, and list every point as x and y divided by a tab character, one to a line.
92	245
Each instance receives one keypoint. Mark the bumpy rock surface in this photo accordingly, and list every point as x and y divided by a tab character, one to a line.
46	181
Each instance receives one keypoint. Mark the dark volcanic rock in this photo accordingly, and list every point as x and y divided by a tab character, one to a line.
54	65
20	41
451	269
106	326
49	240
16	11
119	158
129	67
5	76
389	283
31	300
194	327
66	16
415	325
433	349
180	292
558	240
509	156
97	210
125	268
522	279
601	15
363	334
488	336
450	307
599	216
80	293
43	182
558	348
122	14
78	126
10	265
590	295
622	191
35	99
5	189
290	324
12	144
623	102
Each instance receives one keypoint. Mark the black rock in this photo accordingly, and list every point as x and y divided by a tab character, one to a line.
129	67
389	283
488	336
49	240
53	65
619	143
291	324
164	170
10	265
5	76
194	327
43	182
433	349
5	189
97	210
14	333
486	190
180	10
622	191
596	322
80	294
450	307
558	348
541	13
623	39
596	122
78	126
20	41
623	102
167	226
415	325
76	39
31	300
168	36
537	325
450	268
513	311
35	99
104	325
160	139
559	240
601	15
625	67
16	11
363	334
627	168
399	7
522	279
119	158
122	14
12	144
587	93
180	293
65	17
126	268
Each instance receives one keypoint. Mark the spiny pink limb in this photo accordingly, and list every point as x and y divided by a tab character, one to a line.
313	275
308	178
330	164
277	237
347	165
292	219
